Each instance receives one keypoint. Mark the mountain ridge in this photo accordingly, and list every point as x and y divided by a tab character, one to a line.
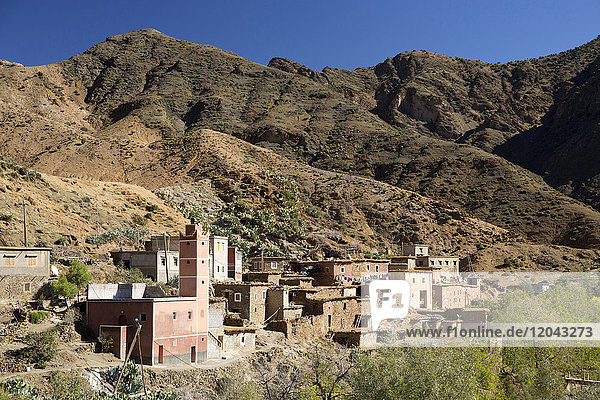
130	108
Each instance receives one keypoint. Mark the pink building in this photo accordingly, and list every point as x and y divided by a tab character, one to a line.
174	329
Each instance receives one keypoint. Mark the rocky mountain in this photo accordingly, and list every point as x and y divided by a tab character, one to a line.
407	150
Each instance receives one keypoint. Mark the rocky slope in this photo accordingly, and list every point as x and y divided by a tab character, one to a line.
134	109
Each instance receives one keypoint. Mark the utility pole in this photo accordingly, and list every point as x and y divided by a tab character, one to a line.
24	224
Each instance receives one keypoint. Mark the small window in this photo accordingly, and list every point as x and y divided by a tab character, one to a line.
175	261
142	317
454	262
377	268
368	267
423	280
189	315
9	261
27	287
174	315
237	297
202	243
162	261
342	270
31	261
447	262
414	280
243	338
174	342
264	294
358	268
432	262
201	313
203	281
345	306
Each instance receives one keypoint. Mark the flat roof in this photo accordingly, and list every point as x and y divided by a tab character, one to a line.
345	261
25	248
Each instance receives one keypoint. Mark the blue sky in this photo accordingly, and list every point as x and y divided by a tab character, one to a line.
343	34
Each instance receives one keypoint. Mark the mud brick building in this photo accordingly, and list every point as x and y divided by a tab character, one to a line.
343	272
246	298
219	258
174	329
156	264
269	264
454	295
23	271
234	263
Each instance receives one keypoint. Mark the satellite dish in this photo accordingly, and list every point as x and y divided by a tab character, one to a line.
54	270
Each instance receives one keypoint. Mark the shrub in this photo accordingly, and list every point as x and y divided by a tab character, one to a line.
106	343
40	350
60	241
139	220
151	207
443	217
35	317
6	217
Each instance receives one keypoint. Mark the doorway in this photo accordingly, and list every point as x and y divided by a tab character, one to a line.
160	353
193	354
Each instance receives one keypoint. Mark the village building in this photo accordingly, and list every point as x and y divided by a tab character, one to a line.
420	281
265	277
343	272
227	340
454	295
174	329
219	258
269	264
234	263
160	265
23	271
246	298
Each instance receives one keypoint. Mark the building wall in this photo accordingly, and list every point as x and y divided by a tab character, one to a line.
219	257
415	250
157	243
445	264
100	312
271	264
250	302
420	282
151	263
21	287
454	296
278	299
234	263
347	272
24	261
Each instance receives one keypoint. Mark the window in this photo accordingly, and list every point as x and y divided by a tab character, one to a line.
175	261
432	262
358	268
342	270
264	294
174	342
162	261
202	243
345	306
27	287
189	315
142	317
368	267
243	338
447	262
274	265
174	315
454	262
414	280
237	297
377	268
9	261
201	313
423	280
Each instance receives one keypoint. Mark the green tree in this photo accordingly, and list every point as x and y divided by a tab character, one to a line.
79	274
63	288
